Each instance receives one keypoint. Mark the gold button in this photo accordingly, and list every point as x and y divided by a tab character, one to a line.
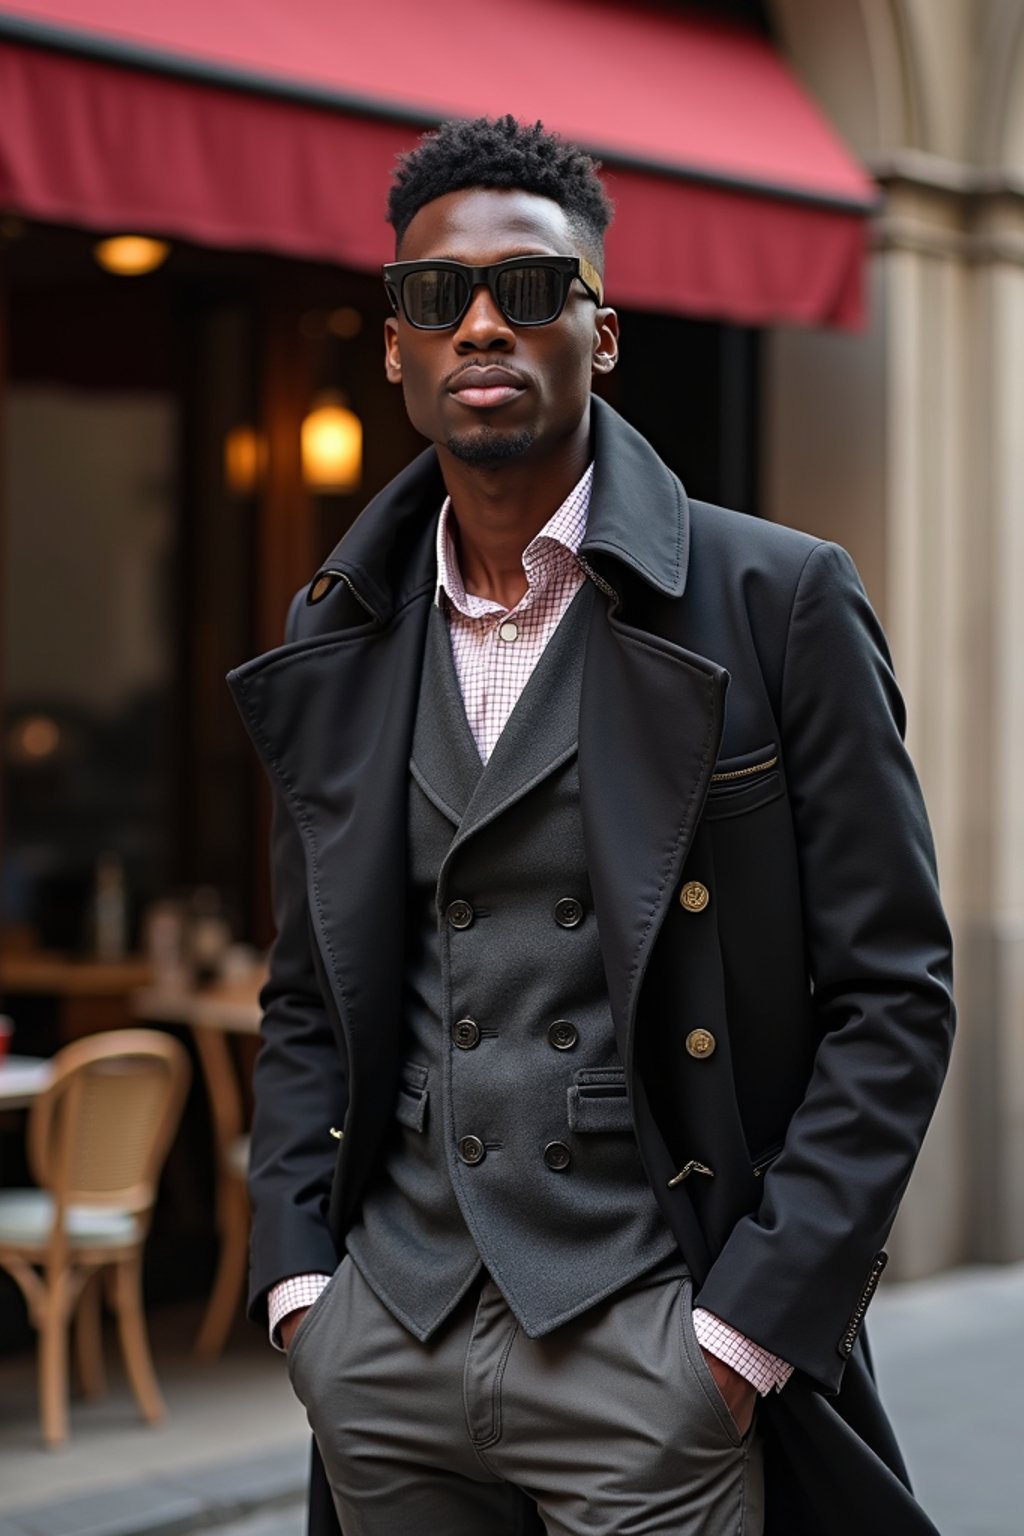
320	588
694	897
700	1042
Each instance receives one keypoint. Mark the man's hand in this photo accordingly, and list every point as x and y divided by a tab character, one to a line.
740	1396
291	1322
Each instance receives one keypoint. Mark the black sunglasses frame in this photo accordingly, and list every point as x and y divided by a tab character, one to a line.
569	269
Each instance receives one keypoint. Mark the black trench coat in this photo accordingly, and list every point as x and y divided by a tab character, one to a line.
739	728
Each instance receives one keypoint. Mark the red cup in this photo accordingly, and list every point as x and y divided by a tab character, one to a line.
6	1031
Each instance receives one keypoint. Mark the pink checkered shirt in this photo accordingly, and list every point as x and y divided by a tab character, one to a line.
496	648
495	651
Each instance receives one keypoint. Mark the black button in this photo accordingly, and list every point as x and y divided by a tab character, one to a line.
466	1034
556	1155
568	912
472	1150
460	914
562	1035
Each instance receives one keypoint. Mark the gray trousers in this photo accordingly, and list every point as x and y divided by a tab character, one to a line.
611	1426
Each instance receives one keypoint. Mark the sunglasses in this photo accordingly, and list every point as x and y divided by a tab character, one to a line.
529	290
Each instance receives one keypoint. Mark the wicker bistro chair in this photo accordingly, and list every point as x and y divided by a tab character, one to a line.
97	1139
231	1150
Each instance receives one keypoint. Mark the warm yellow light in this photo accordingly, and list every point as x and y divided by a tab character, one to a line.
245	457
332	446
345	322
131	255
34	739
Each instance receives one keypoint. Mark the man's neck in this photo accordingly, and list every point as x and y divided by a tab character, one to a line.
496	512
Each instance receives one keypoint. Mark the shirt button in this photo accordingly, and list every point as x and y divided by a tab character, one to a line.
562	1035
556	1155
508	630
466	1034
472	1150
568	912
460	914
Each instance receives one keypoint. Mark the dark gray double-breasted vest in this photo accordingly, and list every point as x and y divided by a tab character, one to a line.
513	1144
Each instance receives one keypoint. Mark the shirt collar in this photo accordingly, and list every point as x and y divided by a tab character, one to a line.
564	529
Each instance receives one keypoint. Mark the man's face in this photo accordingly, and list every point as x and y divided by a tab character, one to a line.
487	390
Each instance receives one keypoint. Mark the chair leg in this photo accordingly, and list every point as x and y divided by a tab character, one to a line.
131	1326
89	1339
52	1323
222	1307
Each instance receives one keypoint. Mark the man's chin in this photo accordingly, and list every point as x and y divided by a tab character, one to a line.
484	448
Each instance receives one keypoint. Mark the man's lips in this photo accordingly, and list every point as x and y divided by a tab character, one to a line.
486	387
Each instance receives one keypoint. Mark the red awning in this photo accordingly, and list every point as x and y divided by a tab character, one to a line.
255	124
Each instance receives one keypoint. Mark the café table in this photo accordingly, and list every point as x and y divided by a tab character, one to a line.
212	1013
89	995
22	1079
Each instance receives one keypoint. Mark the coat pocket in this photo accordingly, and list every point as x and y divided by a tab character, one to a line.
744	782
597	1101
413	1098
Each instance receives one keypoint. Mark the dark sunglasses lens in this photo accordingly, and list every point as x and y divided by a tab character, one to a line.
434	296
530	295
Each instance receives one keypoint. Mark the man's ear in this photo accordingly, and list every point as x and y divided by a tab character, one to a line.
606	341
392	353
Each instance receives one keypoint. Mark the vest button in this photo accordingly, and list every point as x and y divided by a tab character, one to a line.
562	1035
568	912
466	1034
694	896
700	1043
472	1150
460	914
556	1155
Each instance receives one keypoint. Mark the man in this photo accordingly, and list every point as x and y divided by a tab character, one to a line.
611	993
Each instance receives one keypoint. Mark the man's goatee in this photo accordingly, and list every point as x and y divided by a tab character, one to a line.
486	448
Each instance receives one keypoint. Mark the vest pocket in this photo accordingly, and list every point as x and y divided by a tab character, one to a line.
743	783
413	1098
597	1101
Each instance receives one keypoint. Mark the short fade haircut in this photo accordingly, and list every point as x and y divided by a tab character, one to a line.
502	153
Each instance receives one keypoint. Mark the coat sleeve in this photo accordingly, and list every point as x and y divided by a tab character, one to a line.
299	1088
796	1275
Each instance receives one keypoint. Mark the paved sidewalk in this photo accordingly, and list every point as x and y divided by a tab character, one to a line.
950	1359
231	1458
234	1442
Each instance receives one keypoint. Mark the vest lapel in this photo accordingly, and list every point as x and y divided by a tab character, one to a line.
446	762
542	731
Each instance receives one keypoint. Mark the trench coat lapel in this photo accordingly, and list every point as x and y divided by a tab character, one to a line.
651	721
651	712
332	719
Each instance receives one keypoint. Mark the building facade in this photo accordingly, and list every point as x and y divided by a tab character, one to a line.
906	443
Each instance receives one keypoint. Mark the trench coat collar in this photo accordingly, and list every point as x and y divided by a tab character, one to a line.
639	519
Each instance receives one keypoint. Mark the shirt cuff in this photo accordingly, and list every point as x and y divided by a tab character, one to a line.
763	1370
291	1295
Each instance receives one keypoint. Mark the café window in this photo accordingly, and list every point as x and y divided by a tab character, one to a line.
88	644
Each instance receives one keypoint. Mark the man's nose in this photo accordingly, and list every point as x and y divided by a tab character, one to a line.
483	328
